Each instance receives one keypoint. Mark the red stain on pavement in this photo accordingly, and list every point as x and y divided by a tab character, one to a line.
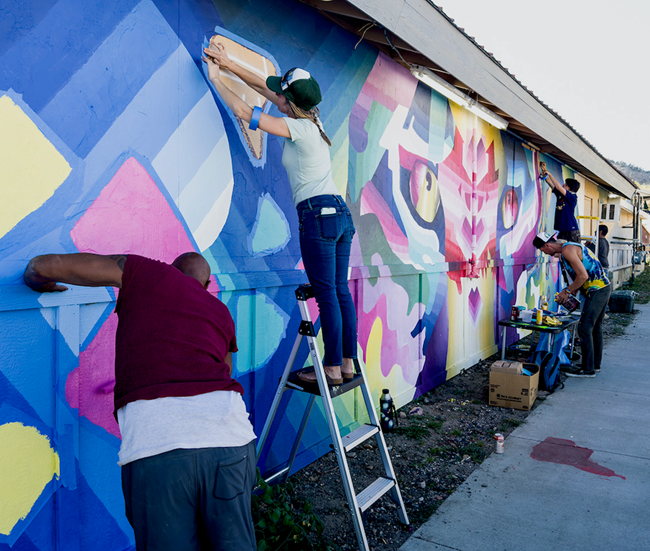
565	452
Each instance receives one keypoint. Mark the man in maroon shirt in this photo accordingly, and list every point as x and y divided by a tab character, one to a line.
187	452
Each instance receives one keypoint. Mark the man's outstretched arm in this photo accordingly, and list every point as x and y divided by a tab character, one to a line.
557	186
43	273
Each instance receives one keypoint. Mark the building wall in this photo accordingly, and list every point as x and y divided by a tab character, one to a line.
593	196
112	142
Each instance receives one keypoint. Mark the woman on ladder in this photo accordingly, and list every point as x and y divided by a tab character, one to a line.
325	222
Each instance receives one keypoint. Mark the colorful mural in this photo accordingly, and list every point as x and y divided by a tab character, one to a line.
112	141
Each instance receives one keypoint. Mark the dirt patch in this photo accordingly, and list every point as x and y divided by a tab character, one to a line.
432	453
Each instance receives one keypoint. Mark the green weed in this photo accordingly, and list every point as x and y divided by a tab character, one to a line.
415	431
435	424
282	523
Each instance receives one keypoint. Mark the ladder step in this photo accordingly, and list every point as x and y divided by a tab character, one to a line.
295	383
373	492
357	436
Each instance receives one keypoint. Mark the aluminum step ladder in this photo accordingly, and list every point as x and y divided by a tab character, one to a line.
358	502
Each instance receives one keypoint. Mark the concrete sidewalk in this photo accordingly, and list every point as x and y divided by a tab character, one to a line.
567	498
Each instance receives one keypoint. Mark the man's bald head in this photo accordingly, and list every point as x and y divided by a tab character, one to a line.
194	265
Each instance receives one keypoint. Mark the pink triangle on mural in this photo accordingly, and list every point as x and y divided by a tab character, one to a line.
131	215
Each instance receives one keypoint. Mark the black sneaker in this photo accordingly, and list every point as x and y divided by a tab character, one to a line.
581	374
597	370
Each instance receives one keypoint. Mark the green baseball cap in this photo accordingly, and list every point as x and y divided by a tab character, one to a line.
298	86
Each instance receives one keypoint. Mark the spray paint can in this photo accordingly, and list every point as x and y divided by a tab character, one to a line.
499	439
538	318
387	413
570	304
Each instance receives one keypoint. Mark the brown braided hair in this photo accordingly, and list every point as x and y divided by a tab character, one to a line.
312	115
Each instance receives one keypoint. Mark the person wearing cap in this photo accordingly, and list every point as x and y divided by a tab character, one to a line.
588	277
566	223
325	223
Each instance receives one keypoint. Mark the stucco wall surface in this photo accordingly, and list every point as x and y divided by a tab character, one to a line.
112	141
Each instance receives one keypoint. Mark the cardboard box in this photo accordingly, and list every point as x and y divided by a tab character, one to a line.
514	391
504	366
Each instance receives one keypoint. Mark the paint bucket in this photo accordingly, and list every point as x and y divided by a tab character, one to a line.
499	439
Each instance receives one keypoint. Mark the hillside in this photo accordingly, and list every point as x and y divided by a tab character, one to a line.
637	174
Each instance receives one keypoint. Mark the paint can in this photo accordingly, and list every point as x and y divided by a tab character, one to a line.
514	313
499	439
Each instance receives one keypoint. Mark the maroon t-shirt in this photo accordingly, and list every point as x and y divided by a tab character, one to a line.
172	335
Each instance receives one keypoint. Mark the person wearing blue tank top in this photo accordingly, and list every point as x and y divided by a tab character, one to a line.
590	279
325	222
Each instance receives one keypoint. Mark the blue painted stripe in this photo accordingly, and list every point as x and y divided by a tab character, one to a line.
152	117
40	63
189	147
38	360
99	92
17	19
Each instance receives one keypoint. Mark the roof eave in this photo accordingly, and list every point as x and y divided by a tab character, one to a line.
431	33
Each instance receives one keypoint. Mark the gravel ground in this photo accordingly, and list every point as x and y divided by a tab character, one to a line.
432	453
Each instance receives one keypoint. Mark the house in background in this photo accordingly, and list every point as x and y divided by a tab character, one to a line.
122	146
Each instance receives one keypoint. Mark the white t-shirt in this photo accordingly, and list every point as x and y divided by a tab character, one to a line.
306	158
213	420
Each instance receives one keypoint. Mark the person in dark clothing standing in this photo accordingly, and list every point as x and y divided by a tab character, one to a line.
188	447
603	247
566	223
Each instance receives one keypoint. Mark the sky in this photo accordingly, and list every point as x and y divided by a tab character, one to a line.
588	60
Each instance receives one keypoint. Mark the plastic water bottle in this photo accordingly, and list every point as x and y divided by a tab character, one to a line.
387	412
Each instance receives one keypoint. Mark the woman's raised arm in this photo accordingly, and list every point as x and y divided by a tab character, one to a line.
273	125
218	52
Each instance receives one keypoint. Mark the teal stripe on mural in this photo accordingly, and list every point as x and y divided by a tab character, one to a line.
437	129
364	165
345	90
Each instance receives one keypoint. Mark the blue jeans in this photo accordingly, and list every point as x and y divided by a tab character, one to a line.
326	232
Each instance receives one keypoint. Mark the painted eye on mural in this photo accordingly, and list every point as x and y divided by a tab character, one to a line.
509	208
423	188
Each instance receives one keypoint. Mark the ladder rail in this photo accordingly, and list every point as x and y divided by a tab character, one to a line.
278	395
299	434
358	503
395	493
341	458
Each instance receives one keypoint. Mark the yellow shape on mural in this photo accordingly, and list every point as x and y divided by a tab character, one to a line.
373	354
27	464
30	166
376	378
